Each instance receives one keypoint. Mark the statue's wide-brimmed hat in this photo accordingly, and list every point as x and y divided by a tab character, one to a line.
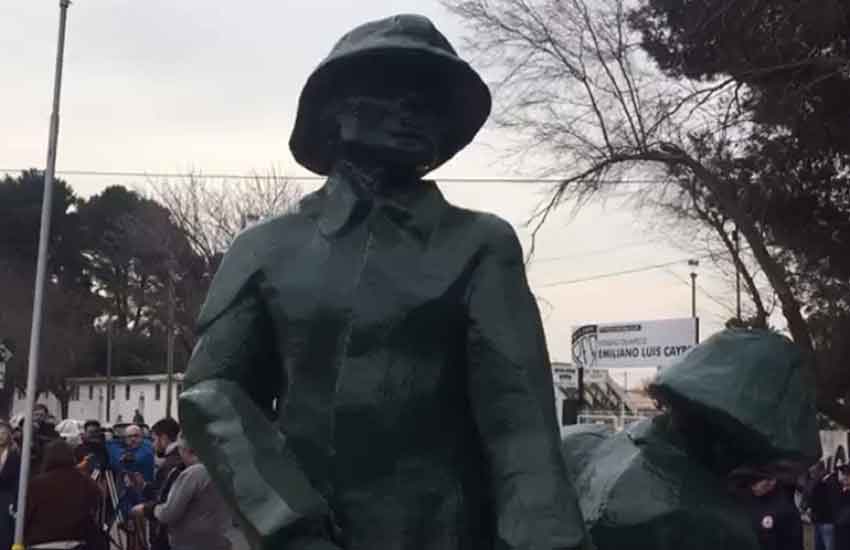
366	53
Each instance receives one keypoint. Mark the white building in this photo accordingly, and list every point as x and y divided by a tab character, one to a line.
145	393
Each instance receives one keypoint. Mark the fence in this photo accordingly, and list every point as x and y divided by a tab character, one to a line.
615	421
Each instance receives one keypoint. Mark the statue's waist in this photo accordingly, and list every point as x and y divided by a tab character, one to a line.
353	459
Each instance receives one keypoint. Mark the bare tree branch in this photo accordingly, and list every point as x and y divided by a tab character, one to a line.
211	213
594	109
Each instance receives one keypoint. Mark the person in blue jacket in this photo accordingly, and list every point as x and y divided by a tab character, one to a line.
132	461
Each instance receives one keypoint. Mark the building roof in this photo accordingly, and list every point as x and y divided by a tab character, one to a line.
137	379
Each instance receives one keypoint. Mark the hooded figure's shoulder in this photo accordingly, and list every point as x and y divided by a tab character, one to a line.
251	251
638	492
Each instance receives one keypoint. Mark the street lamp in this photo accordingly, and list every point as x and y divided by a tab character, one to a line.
694	264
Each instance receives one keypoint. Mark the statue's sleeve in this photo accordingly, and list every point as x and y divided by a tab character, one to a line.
227	413
512	397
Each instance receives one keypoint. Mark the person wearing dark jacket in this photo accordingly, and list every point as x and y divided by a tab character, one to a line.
69	517
841	509
10	468
823	502
43	433
138	418
91	454
165	434
775	519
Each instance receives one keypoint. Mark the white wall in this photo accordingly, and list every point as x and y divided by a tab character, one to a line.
47	399
86	408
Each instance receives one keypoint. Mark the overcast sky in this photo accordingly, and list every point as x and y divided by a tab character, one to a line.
171	86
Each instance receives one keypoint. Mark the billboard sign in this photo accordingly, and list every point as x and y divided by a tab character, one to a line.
633	345
565	376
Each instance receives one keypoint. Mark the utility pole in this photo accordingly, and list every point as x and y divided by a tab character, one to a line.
623	400
40	282
170	347
580	404
108	368
737	238
693	294
694	264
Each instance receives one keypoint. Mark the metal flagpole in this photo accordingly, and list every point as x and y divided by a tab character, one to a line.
41	271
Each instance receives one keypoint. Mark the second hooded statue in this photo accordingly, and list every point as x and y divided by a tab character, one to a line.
372	372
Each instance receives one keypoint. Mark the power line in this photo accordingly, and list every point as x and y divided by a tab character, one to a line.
624	272
103	173
702	290
137	174
594	252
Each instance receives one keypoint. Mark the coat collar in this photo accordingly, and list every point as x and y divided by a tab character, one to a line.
342	202
172	448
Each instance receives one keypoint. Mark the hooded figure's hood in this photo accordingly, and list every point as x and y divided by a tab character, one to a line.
642	489
637	491
753	387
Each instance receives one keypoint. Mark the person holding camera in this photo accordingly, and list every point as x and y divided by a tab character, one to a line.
165	442
133	455
132	461
91	454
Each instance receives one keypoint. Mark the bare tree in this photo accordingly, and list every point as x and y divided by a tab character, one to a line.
212	212
575	88
573	82
208	214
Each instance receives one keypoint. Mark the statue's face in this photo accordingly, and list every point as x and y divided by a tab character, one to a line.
400	125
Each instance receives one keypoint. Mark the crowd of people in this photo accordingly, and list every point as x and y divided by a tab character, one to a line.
162	497
780	507
144	487
826	504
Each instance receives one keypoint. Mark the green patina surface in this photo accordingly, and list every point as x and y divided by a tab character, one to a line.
372	371
741	399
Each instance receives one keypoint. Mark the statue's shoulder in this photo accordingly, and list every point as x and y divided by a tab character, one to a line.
251	251
483	229
265	238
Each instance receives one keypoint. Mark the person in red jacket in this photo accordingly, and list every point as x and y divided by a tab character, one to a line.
62	502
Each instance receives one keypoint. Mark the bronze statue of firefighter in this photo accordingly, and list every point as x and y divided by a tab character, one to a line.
372	371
